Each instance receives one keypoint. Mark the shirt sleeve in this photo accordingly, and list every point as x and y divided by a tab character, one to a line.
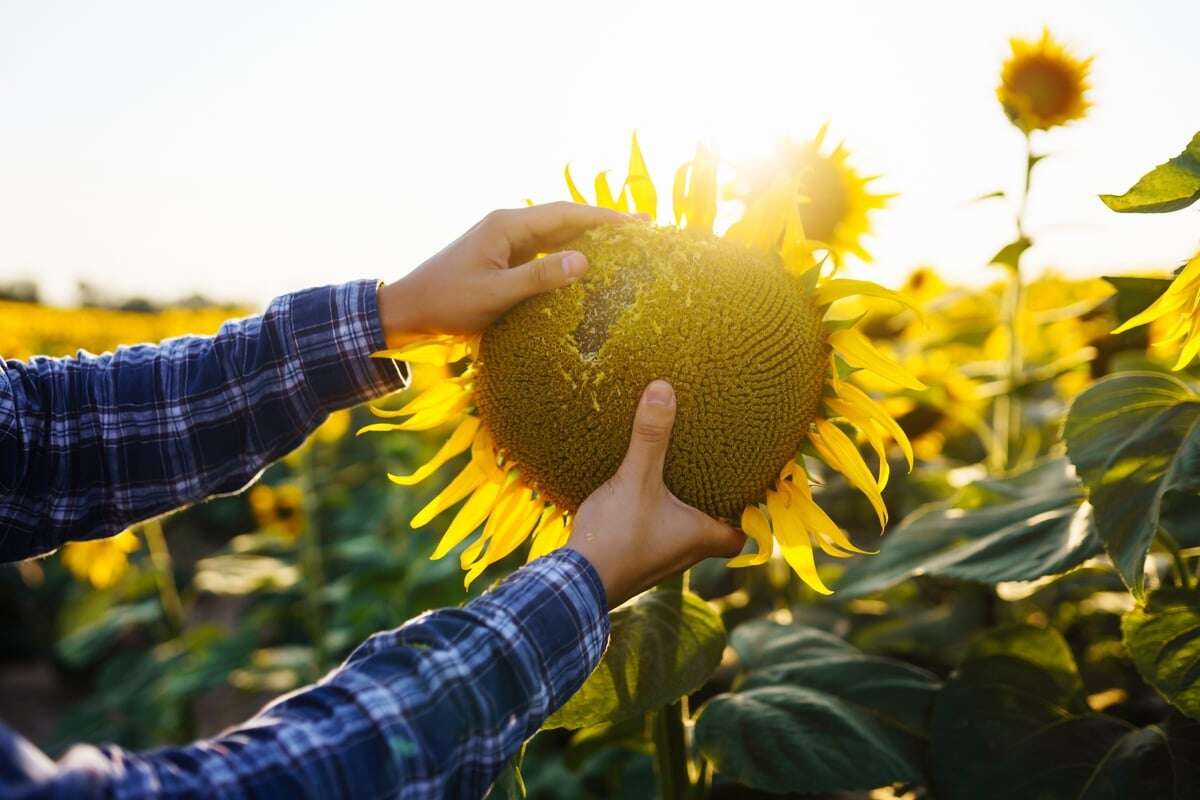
92	444
432	709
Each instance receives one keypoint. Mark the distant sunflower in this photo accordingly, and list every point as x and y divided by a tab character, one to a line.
737	324
1179	305
1042	85
101	562
834	198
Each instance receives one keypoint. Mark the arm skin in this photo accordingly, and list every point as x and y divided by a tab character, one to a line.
93	444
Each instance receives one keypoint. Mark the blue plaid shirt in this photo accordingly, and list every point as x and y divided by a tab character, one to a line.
92	444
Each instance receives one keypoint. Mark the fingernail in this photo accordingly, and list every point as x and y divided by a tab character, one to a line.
660	393
573	265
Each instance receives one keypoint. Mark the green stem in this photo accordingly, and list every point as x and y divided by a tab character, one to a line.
1006	444
670	750
312	566
1183	576
164	575
675	778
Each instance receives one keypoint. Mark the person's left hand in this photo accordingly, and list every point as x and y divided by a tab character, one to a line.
488	269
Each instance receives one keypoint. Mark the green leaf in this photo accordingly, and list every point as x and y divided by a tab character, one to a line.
1167	187
1017	528
764	643
664	645
1135	440
818	719
85	643
1010	255
1164	639
1012	722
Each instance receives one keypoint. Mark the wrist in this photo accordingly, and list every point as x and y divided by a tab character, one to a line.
398	312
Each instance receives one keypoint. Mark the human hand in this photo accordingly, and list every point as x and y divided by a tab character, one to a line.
488	269
632	529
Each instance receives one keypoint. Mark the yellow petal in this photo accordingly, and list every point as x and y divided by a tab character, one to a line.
836	449
514	529
424	420
442	393
436	353
466	482
547	533
794	542
858	351
756	526
1165	304
869	429
576	195
1190	348
816	520
861	400
836	289
483	453
645	198
604	196
458	442
469	517
678	192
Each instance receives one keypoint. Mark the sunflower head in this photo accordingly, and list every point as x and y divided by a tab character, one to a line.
833	199
738	324
1042	85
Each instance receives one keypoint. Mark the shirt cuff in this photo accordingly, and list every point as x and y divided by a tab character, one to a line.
335	330
560	606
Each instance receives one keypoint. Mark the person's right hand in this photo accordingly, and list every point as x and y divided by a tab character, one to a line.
632	529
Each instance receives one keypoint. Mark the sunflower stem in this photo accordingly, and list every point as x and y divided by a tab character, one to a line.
674	767
164	575
312	565
1007	411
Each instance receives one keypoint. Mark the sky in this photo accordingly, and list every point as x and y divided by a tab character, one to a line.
243	149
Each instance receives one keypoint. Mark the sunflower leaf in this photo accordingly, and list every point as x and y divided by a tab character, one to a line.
1013	722
1164	639
1134	438
1167	187
816	715
1010	255
1016	528
663	645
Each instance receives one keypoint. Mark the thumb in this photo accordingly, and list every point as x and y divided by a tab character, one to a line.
541	275
651	432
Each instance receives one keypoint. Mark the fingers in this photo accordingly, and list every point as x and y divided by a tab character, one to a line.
538	229
651	433
722	540
540	275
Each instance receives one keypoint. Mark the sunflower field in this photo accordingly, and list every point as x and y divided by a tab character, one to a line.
973	513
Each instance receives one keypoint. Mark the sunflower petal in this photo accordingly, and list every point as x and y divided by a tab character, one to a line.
816	520
576	195
757	527
466	482
858	351
836	449
645	198
483	454
423	420
441	393
861	400
869	429
469	517
547	533
436	353
836	289
794	542
458	442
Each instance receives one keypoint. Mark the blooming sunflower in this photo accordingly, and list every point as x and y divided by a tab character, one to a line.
738	324
1182	298
101	562
834	198
1042	85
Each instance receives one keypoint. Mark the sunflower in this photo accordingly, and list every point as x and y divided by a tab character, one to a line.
740	326
1042	85
833	197
1181	299
101	562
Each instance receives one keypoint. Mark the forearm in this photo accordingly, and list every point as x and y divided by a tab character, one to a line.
92	444
433	709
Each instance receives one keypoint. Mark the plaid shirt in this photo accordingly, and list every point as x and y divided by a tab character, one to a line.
92	444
